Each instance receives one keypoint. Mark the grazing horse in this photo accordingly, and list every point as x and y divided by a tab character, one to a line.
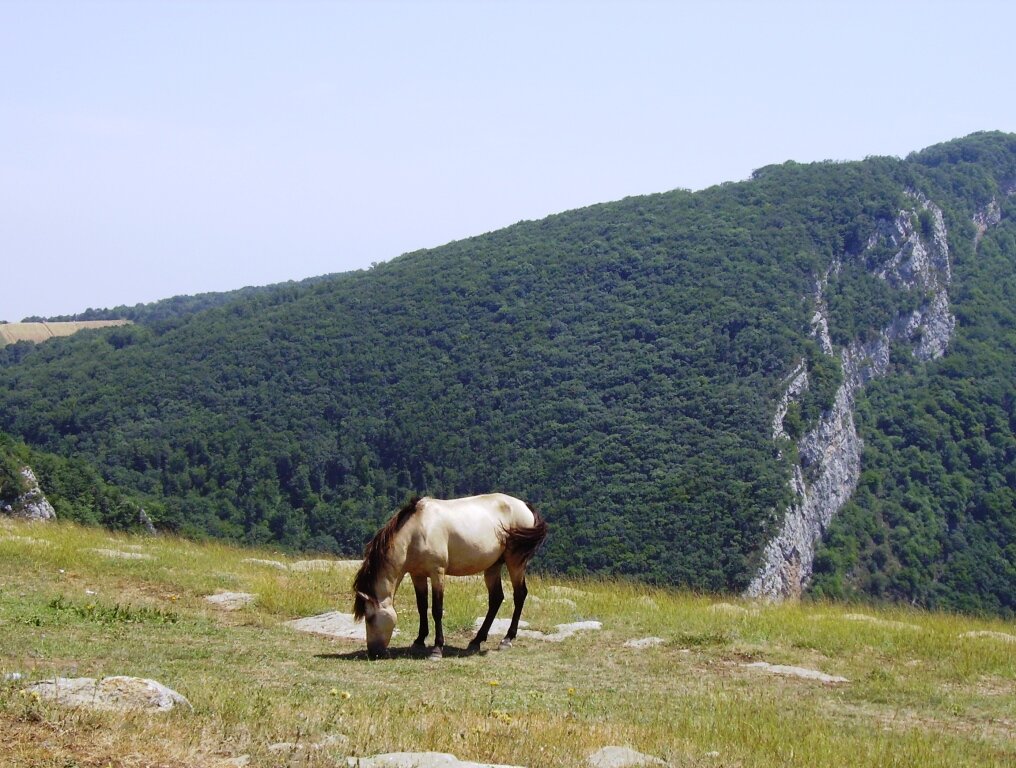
433	538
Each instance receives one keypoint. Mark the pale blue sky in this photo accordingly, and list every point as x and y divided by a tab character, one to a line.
149	149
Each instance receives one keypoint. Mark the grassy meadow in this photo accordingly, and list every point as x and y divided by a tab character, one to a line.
263	694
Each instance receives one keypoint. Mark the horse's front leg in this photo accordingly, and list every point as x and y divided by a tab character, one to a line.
437	592
420	587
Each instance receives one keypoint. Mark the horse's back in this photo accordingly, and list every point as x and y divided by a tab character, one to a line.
467	535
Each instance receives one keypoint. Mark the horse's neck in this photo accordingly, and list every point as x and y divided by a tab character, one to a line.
392	574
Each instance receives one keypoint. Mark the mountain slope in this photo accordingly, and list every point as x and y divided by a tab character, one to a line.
620	366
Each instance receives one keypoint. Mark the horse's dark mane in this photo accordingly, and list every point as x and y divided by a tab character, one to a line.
375	556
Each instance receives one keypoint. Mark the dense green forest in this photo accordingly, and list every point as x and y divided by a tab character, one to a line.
617	365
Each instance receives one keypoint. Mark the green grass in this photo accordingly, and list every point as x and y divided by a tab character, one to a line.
918	693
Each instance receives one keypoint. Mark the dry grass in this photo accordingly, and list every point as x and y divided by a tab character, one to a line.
919	694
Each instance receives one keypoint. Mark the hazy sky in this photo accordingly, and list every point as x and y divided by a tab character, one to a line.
149	149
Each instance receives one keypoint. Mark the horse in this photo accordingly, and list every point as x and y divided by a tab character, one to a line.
432	538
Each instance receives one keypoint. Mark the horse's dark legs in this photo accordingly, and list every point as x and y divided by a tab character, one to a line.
437	588
420	587
495	596
519	592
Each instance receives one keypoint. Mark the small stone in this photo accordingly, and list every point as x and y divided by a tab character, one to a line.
121	555
267	563
1004	637
231	601
332	624
644	642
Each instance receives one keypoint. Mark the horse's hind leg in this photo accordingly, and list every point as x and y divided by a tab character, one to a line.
519	592
495	596
420	587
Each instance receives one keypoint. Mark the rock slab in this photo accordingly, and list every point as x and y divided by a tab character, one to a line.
230	601
119	693
418	760
801	672
621	757
331	624
561	631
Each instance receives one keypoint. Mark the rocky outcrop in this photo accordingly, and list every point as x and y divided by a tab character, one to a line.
830	454
32	504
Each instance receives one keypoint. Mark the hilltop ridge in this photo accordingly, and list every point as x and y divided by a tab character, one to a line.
621	366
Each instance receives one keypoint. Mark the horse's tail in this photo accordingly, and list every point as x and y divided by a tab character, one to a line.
521	543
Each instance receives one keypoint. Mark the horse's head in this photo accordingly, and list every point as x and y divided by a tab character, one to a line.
379	619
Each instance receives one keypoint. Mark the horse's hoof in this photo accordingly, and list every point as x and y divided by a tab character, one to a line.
418	647
505	645
474	647
436	653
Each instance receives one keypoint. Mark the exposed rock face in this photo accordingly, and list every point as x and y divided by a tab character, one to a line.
32	504
830	454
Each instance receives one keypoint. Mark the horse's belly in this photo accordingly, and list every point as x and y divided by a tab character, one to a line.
467	559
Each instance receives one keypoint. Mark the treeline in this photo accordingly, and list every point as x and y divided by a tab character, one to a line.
616	365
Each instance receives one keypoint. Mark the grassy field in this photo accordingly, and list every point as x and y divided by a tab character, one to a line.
918	694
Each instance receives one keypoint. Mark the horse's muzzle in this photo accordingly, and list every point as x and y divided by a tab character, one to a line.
378	651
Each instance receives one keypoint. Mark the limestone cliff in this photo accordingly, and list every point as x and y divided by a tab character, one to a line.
32	504
830	454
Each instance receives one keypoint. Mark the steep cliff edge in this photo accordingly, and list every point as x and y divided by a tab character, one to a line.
830	454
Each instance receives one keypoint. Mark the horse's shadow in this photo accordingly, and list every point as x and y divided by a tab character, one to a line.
414	654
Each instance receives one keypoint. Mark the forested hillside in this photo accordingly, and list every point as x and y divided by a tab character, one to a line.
619	366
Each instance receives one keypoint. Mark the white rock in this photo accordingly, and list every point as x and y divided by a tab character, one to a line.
802	672
644	642
110	693
620	757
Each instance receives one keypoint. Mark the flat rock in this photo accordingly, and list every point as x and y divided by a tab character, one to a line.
331	624
802	672
729	608
620	757
417	760
119	693
561	631
1004	637
121	555
313	565
879	622
230	601
267	563
554	589
644	642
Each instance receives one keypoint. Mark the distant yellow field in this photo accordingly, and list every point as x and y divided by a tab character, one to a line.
14	332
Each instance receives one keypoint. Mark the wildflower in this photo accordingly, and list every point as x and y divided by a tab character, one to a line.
345	695
333	692
493	683
571	691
